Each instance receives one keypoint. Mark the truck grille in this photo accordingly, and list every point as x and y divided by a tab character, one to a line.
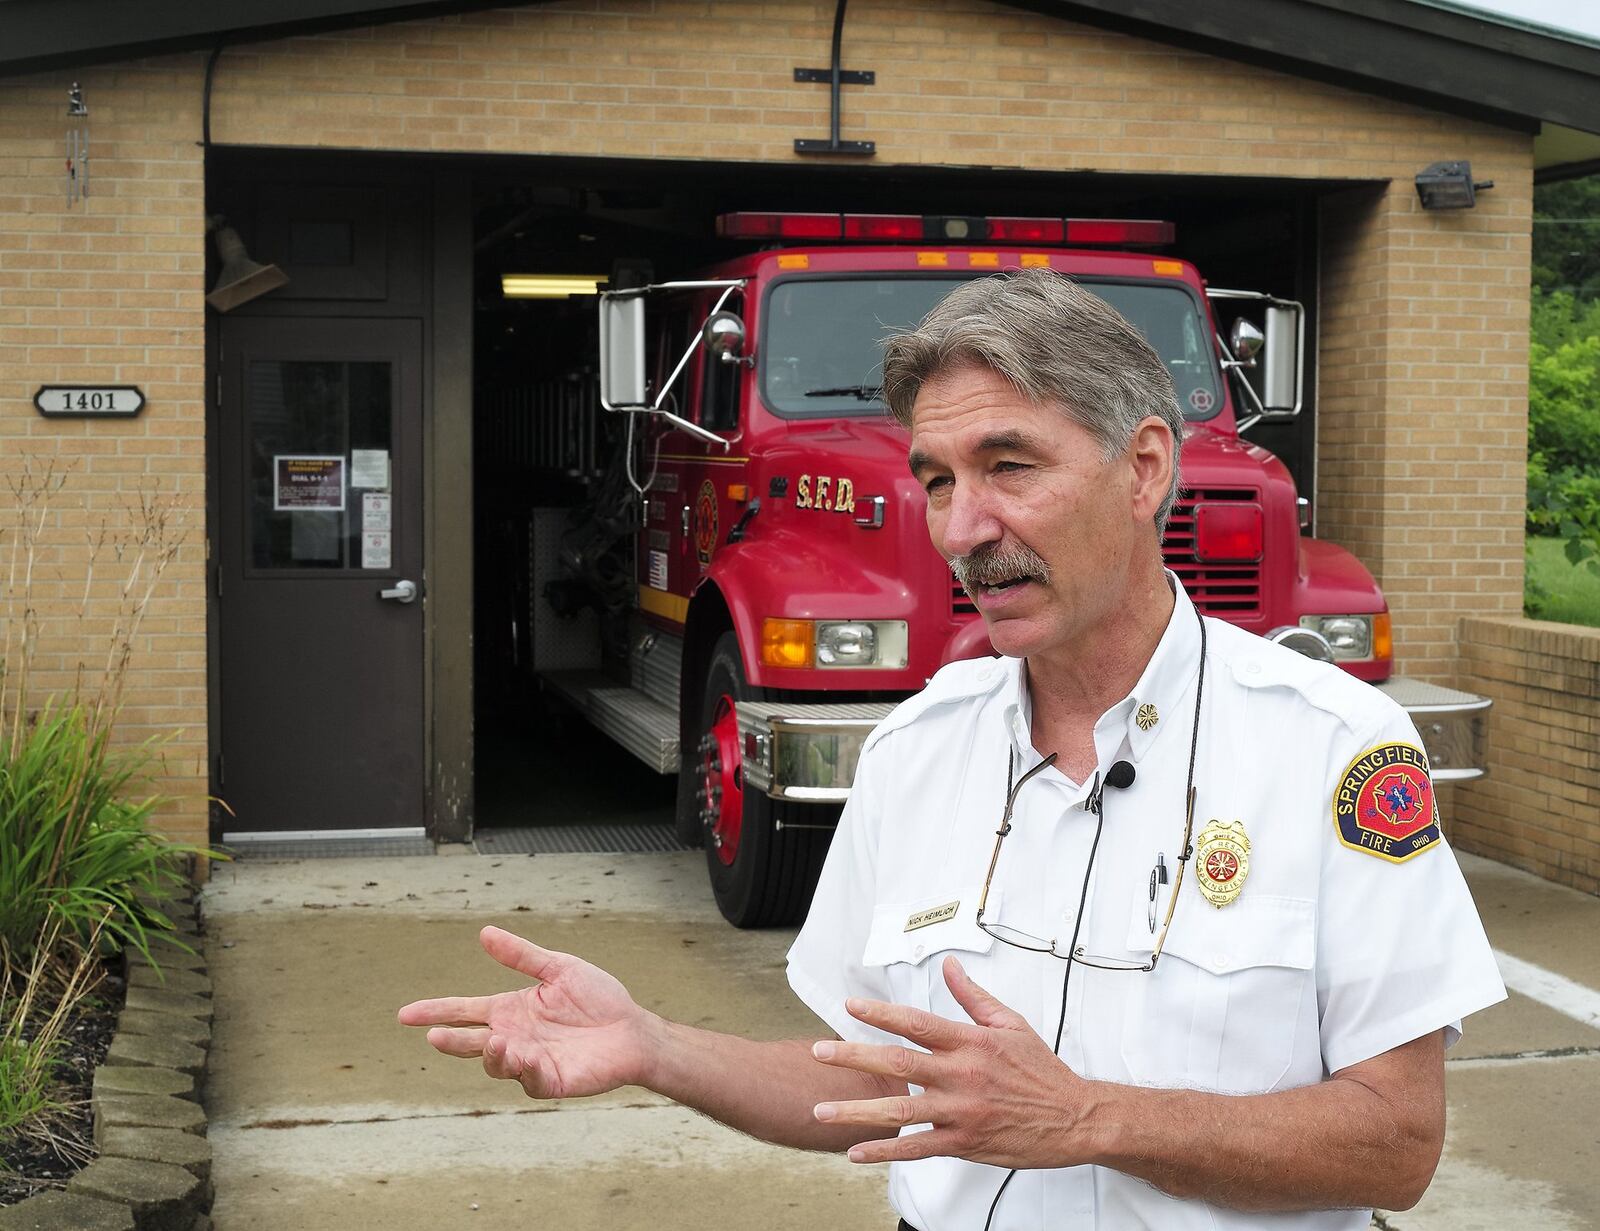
1216	589
1226	590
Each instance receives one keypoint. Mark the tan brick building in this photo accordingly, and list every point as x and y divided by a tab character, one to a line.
395	162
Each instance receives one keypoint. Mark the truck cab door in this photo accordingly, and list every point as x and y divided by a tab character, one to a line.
709	477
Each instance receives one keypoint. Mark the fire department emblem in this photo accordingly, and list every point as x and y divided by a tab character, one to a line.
1222	861
705	521
1385	803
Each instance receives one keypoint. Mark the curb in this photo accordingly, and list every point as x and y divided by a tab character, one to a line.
153	1172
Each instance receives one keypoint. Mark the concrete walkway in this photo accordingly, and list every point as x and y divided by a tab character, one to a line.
327	1116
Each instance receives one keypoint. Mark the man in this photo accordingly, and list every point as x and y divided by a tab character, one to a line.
1176	989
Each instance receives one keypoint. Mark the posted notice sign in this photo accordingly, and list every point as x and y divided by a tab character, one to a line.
302	482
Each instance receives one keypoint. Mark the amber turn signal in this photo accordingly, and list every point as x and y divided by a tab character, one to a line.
787	643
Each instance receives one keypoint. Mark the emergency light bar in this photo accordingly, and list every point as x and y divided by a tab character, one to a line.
1072	232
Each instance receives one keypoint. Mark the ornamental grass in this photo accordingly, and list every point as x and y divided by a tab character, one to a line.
81	869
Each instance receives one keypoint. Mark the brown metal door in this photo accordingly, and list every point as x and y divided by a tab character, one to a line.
320	538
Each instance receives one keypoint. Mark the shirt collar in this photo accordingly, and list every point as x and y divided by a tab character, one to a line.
1154	705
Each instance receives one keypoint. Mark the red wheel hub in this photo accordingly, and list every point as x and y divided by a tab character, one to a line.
722	781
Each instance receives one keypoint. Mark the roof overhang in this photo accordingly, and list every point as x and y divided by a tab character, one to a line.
1423	52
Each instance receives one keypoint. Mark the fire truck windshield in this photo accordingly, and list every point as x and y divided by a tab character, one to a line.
822	351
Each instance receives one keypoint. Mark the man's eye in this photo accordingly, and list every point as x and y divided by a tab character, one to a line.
937	484
1009	467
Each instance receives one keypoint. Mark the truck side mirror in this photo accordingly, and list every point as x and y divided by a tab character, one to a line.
622	382
1280	385
1245	340
723	335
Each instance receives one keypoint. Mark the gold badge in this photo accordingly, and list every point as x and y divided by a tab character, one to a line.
1222	861
1147	717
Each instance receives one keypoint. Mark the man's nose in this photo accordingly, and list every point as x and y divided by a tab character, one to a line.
970	521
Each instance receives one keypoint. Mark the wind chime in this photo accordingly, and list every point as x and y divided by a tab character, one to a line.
77	147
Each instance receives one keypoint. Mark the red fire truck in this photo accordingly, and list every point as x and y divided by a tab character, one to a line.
773	588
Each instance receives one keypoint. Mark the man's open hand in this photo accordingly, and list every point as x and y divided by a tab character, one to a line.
994	1092
576	1033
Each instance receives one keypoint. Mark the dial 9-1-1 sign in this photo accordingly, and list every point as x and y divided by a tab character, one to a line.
88	401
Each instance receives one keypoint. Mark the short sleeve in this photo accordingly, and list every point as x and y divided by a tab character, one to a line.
825	964
1401	951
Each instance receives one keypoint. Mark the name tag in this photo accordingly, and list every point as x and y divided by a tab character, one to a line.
936	915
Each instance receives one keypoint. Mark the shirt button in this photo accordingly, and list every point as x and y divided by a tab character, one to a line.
1253	668
920	951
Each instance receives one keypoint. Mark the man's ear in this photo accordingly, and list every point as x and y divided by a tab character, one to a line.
1150	456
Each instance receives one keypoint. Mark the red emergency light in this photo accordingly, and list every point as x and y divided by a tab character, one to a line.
1228	532
883	226
1120	232
1027	230
935	228
781	226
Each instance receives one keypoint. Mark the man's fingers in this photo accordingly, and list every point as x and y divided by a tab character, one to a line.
498	1060
463	1043
902	1063
446	1011
896	1111
931	1143
513	951
982	1006
932	1031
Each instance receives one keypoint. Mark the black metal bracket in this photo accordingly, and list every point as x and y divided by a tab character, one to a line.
835	76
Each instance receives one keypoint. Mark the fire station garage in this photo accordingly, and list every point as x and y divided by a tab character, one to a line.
350	257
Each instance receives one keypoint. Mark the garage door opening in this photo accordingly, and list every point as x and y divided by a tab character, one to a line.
557	523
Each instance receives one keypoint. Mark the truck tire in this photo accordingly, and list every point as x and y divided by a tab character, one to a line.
762	875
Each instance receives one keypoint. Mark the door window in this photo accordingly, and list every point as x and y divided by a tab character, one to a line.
320	439
720	384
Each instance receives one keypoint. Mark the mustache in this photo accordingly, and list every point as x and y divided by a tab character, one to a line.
991	563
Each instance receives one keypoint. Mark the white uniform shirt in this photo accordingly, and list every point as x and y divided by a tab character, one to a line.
1331	954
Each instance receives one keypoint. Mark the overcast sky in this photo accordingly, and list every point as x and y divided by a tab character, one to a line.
1580	15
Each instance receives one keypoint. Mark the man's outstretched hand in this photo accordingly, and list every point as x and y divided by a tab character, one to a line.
576	1033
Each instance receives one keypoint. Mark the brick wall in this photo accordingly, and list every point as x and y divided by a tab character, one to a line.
1539	808
1424	328
1424	315
110	290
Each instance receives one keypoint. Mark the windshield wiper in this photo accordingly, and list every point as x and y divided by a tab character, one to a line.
862	393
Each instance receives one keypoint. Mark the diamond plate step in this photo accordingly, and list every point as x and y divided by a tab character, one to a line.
639	723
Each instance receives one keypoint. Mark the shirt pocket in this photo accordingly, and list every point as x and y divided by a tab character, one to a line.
1229	998
912	957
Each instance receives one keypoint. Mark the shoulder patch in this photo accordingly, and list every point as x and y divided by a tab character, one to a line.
1385	805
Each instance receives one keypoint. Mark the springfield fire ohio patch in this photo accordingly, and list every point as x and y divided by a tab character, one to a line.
1385	804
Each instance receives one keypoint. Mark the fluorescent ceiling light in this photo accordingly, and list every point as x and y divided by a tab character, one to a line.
549	286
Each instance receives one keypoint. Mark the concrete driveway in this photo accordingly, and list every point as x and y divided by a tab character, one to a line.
327	1116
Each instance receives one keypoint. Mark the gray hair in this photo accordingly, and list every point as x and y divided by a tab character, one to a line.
1056	344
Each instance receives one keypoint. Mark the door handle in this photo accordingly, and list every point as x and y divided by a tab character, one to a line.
403	592
685	520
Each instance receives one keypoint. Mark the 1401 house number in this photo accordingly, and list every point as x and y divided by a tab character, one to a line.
88	401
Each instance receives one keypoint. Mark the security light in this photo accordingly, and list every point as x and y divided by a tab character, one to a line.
1448	185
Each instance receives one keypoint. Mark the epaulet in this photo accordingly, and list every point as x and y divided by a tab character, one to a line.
957	681
1256	662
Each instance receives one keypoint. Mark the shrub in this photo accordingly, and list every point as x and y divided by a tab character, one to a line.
77	846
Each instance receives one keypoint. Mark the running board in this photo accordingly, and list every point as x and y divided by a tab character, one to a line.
638	722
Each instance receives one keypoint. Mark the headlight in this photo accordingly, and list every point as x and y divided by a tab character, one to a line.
834	643
1349	636
862	643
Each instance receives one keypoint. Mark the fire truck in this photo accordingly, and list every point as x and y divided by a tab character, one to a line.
757	551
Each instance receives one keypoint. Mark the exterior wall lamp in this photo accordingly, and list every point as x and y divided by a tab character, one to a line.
1448	185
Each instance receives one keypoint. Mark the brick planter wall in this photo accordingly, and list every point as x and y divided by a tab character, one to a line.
154	1168
1539	807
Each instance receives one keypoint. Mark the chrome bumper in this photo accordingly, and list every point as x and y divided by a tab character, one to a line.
807	752
1453	725
802	751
